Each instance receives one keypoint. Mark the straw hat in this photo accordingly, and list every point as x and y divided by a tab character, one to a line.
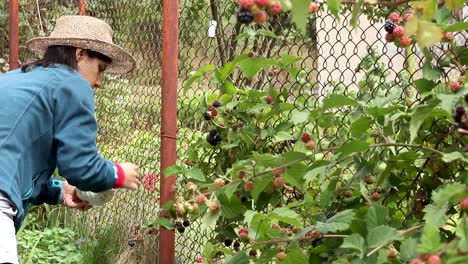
87	33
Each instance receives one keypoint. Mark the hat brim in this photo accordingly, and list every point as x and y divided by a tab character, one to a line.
122	61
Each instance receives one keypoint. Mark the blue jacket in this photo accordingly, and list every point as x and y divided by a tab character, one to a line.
47	121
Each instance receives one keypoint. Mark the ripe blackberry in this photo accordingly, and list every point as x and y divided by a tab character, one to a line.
459	112
206	116
389	26
213	132
236	244
186	223
244	16
466	98
217	103
317	242
244	199
181	229
228	242
253	252
214	138
177	224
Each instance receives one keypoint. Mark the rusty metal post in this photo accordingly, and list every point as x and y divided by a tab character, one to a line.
170	53
82	7
13	42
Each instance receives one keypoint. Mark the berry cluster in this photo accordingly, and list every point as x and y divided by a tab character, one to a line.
213	137
149	180
313	8
396	31
257	10
454	86
306	138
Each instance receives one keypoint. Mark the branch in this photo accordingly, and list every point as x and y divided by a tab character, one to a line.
402	232
275	241
383	3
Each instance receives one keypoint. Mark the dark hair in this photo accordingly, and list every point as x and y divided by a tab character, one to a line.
61	55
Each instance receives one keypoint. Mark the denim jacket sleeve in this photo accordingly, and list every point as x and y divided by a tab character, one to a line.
75	132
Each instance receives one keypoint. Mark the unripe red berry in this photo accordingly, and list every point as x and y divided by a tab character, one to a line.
464	203
190	186
375	196
199	259
454	86
214	113
405	41
369	179
313	8
246	4
243	233
399	31
213	206
305	137
234	126
276	226
281	255
262	3
389	37
416	261
448	36
261	17
201	199
211	108
250	54
276	8
278	182
315	234
248	186
348	193
242	174
188	162
268	99
406	17
253	252
434	259
395	17
219	182
277	172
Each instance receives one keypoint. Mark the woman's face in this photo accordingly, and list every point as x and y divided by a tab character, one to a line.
90	68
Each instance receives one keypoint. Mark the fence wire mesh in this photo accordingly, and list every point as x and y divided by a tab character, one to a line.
333	58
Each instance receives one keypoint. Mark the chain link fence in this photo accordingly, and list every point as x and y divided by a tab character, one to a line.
333	57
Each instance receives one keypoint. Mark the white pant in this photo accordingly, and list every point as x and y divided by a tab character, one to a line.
8	250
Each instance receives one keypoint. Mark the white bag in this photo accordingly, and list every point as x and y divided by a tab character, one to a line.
96	199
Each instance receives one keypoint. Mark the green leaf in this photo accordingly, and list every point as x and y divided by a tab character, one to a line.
173	170
448	101
435	214
300	117
282	136
460	26
319	168
230	208
429	72
443	16
331	227
417	119
197	75
453	4
382	235
334	7
449	157
337	100
268	33
424	86
345	217
408	249
294	255
196	174
286	215
260	183
430	8
250	67
355	241
164	222
428	33
239	258
228	88
356	13
230	189
376	216
352	147
299	13
430	240
209	220
360	127
287	59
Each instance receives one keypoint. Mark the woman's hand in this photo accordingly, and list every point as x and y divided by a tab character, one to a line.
71	200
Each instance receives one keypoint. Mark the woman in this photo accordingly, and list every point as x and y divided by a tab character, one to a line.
47	121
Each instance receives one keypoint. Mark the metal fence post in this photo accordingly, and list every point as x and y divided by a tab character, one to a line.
169	119
13	42
82	7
